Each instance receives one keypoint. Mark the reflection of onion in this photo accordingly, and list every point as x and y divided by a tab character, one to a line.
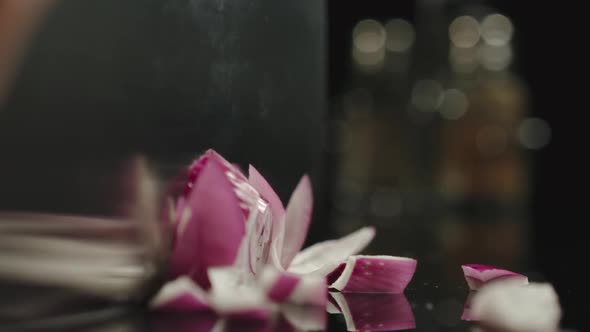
373	274
375	312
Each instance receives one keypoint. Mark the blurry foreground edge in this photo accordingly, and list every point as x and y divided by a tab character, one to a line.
104	319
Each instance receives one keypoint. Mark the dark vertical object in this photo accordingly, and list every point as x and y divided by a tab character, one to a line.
107	79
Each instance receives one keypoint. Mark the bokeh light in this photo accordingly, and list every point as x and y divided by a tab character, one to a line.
427	95
534	133
400	35
464	31
496	30
454	104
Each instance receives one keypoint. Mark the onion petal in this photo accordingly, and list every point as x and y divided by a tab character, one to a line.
278	214
477	275
323	257
297	219
214	232
283	287
229	228
508	306
265	190
375	274
234	295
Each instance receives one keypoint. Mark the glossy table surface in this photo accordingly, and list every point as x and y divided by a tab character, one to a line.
168	79
429	303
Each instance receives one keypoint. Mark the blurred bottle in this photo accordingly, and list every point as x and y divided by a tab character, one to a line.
430	136
373	161
483	176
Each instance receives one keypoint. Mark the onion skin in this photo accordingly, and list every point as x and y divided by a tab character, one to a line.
477	275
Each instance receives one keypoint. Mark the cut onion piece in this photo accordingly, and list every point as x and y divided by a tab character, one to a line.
283	287
323	257
276	245
181	295
278	215
507	306
375	274
233	294
477	275
277	211
215	230
297	219
220	209
254	251
375	312
278	285
265	190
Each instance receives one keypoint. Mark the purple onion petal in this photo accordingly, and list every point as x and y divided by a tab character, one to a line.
376	312
297	219
311	290
283	287
214	232
323	257
375	274
278	285
477	275
234	295
263	187
278	214
181	295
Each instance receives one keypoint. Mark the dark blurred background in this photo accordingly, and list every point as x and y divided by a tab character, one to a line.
452	126
467	110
